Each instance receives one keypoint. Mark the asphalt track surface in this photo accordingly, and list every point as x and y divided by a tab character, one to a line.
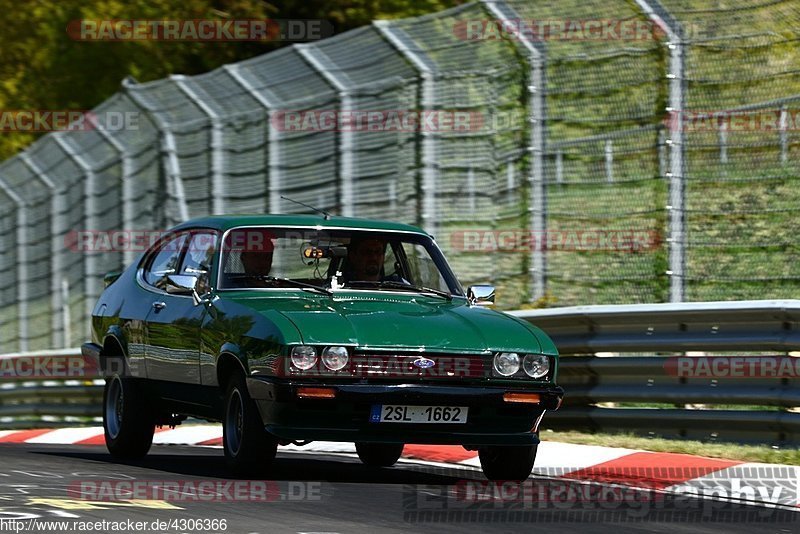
313	492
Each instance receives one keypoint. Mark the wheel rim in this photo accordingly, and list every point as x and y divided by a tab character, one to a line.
234	422
113	407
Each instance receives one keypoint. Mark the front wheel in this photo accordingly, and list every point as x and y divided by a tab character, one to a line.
379	454
249	449
128	424
512	463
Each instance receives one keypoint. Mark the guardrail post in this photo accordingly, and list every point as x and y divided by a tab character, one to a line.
217	146
537	118
275	163
677	164
58	207
401	42
22	259
346	143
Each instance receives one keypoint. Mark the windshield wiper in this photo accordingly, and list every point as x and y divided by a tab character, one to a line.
295	283
402	285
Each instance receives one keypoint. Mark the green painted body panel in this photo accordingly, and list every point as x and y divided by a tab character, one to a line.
226	222
384	320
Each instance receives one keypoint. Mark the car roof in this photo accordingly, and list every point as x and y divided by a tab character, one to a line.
226	222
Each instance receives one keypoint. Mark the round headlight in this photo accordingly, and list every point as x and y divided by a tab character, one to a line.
506	363
335	358
536	365
304	357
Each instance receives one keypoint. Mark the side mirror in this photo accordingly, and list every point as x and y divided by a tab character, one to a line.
480	295
111	277
181	284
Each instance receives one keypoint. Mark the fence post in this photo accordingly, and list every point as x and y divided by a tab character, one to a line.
345	135
783	137
560	167
537	118
91	276
609	160
173	168
677	164
274	163
393	197
723	140
65	312
471	190
169	150
401	42
217	145
128	189
22	259
511	182
57	228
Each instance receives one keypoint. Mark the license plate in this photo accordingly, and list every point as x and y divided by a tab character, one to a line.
394	413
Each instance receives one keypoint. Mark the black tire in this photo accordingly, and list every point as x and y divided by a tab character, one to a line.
512	463
249	449
128	422
379	454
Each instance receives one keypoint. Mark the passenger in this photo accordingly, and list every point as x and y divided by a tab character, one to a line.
255	248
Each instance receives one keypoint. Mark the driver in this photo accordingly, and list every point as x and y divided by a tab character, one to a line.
365	261
365	257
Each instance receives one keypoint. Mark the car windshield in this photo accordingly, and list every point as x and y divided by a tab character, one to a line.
268	257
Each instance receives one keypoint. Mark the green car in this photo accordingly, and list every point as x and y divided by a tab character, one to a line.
294	328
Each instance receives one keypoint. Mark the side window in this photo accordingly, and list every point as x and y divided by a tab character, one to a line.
165	261
197	260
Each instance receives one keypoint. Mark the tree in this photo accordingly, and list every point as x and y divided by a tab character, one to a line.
42	68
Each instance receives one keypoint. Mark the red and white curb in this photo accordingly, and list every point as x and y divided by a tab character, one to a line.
747	482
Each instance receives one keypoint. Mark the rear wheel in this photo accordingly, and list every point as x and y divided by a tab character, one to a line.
128	424
507	462
249	449
379	454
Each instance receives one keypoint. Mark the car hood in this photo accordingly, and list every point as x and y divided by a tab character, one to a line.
401	321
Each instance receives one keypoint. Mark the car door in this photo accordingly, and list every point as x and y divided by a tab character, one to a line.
173	322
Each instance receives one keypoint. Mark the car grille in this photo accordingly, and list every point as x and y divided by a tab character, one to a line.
418	366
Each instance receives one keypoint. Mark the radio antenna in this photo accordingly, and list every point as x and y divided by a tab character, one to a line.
325	213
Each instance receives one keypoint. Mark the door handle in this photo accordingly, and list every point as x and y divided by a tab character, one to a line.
159	305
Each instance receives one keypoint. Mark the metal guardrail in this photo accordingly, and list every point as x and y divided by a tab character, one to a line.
49	388
600	388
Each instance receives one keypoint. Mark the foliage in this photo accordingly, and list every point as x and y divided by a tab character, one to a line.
42	68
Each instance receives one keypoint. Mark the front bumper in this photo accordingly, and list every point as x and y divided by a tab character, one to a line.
491	420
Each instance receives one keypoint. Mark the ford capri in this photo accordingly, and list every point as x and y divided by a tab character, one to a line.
294	328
